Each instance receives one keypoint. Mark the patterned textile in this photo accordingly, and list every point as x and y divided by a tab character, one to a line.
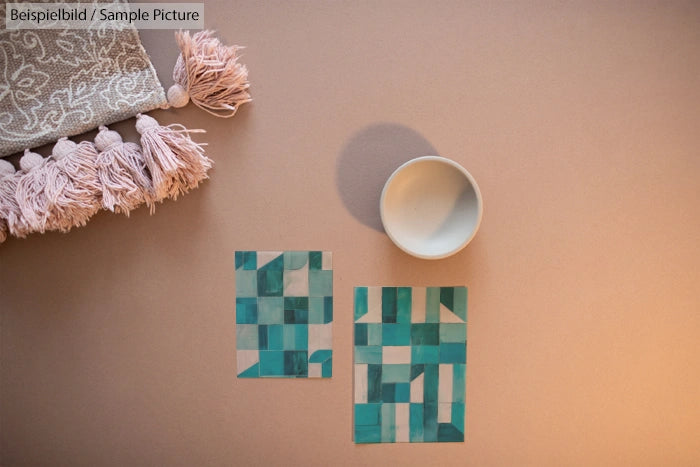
56	83
284	314
410	364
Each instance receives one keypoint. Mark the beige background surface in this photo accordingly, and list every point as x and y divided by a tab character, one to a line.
578	119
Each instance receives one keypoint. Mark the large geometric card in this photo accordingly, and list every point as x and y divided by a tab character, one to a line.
410	364
284	314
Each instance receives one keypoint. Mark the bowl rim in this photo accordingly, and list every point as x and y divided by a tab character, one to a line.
470	179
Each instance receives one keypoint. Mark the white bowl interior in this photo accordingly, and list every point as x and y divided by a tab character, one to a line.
431	207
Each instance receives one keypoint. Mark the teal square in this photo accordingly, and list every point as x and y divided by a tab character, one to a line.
388	392
270	310
416	423
389	304
320	283
431	380
295	337
425	354
296	310
289	337
296	363
457	415
297	316
315	260
327	368
396	334
459	382
460	302
453	332
374	334
403	392
389	423
374	382
301	337
270	283
432	305
262	337
271	363
327	309
246	260
396	373
246	310
403	304
368	434
360	333
448	433
430	423
368	414
275	337
247	336
316	310
368	354
453	353
425	333
296	303
246	283
320	310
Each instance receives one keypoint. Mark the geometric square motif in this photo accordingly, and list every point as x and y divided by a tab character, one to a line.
410	364
284	314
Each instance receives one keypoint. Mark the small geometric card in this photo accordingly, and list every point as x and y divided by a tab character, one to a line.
410	364
284	314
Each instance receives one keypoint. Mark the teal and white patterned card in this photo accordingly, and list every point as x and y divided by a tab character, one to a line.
284	314
410	364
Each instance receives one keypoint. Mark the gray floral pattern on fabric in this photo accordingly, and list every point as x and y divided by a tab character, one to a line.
56	83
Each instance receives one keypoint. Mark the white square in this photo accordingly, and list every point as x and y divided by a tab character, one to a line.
315	370
320	337
296	282
444	413
327	261
396	354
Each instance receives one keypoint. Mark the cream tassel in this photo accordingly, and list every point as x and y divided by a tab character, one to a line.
122	172
80	197
176	163
8	204
38	189
208	73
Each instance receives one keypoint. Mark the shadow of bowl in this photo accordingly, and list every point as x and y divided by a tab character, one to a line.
368	159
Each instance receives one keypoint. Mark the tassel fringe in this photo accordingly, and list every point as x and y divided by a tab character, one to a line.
208	73
8	203
176	163
78	179
122	172
38	189
81	195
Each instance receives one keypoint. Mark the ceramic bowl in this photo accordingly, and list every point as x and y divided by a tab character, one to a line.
431	207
